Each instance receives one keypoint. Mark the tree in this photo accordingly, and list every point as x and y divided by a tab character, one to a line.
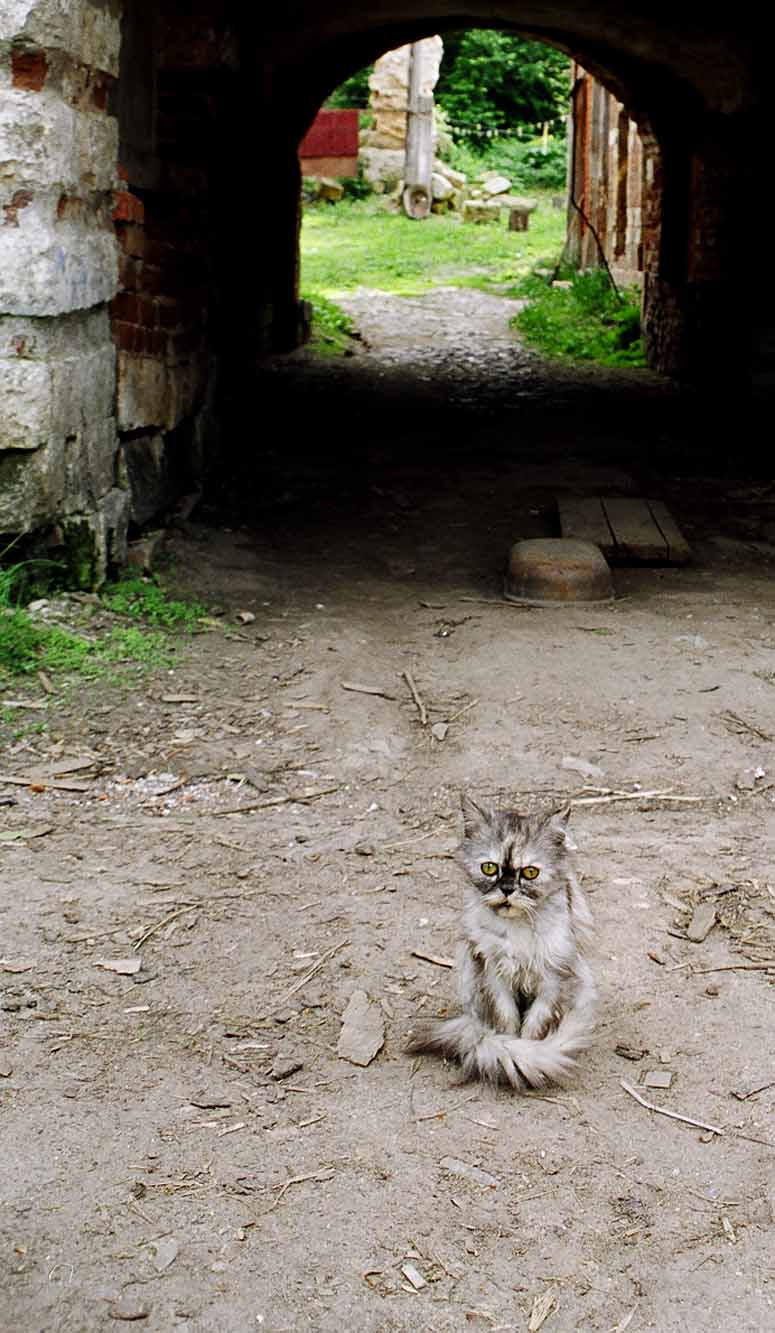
495	80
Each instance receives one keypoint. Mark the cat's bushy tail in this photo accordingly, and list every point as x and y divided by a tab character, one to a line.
494	1056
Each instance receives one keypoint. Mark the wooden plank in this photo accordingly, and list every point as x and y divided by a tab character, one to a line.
637	535
583	517
679	551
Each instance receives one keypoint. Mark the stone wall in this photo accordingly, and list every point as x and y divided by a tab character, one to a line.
58	270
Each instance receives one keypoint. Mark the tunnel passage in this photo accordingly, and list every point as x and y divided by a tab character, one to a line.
149	252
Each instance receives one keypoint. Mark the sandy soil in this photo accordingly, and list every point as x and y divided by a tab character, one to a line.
183	1146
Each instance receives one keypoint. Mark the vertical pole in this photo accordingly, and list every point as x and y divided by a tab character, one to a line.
418	163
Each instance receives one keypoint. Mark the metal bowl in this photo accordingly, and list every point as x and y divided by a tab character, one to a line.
557	571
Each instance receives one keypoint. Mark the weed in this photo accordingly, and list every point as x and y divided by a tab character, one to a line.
146	599
583	322
332	328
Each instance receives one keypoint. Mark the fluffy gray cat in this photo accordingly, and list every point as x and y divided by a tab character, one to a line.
526	990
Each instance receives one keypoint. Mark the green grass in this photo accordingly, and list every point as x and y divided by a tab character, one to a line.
584	322
27	646
359	244
332	328
146	599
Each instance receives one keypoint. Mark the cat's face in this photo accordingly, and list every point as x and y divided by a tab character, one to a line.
514	861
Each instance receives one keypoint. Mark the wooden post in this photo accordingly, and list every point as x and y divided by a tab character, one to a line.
418	163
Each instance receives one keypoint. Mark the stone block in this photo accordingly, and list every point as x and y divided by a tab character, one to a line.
43	140
91	33
481	210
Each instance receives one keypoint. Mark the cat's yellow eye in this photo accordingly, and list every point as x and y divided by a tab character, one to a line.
530	872
488	868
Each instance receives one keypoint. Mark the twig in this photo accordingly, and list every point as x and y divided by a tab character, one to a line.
299	1180
674	1115
665	794
366	689
45	782
738	967
146	935
432	958
300	796
407	675
492	601
447	1110
461	711
741	725
307	977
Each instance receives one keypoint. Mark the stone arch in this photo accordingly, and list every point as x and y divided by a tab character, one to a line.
149	202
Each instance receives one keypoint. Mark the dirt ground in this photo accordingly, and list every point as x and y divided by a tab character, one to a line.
183	1146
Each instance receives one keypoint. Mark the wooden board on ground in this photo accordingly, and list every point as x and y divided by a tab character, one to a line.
625	528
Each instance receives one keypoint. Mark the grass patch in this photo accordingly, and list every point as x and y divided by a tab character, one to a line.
583	322
146	599
359	244
27	645
332	328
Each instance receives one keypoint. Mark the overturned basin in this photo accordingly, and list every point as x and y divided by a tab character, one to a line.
555	571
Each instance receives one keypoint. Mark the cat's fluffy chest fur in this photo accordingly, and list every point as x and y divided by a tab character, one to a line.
524	985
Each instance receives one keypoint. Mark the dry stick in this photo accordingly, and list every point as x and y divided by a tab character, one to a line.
461	711
447	1110
365	689
407	675
301	797
432	958
45	782
299	1180
307	977
146	935
665	794
738	967
729	716
674	1115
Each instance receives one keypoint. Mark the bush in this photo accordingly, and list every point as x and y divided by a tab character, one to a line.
523	161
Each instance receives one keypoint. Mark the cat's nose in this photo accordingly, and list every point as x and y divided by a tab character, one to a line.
507	889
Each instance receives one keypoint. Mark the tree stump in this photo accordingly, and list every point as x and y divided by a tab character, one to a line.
519	217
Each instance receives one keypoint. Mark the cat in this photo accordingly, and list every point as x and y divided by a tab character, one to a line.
525	987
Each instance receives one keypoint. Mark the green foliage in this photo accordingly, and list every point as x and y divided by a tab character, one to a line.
583	322
523	161
354	92
495	80
359	244
332	328
145	599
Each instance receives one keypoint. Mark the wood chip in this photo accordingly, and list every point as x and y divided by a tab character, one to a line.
760	1087
658	1078
436	959
16	965
363	1030
124	967
473	1173
129	1309
630	1052
543	1306
414	1276
702	922
180	698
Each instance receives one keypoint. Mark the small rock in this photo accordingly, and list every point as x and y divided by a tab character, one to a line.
658	1078
712	990
414	1276
165	1253
129	1309
285	1065
439	730
329	190
364	848
245	617
473	1173
629	1052
702	922
582	766
363	1030
496	185
6	1068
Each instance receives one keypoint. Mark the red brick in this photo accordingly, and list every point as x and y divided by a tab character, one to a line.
125	306
128	273
131	238
128	208
146	314
29	69
125	336
19	200
169	314
122	173
70	208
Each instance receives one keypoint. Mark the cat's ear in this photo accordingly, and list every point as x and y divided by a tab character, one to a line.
474	814
557	823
